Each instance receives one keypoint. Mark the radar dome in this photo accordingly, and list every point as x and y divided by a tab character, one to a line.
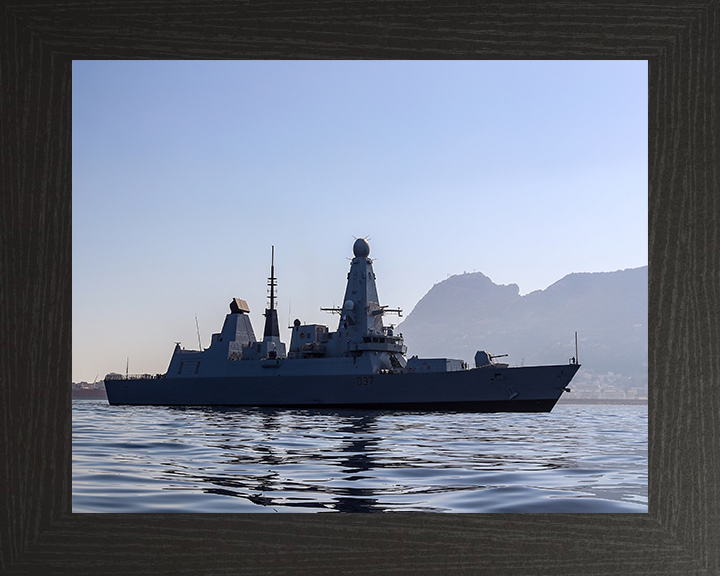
361	248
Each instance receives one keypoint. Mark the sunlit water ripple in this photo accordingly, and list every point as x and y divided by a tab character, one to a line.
578	458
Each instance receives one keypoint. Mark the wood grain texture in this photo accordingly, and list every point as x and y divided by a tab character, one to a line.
39	535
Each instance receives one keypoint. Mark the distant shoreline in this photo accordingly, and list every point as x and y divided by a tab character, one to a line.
89	394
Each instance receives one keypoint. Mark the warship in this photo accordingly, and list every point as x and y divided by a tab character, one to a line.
362	364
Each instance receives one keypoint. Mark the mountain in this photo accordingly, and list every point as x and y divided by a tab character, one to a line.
469	312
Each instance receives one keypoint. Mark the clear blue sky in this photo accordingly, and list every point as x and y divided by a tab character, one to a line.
185	174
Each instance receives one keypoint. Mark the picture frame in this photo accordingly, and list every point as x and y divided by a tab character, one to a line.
38	532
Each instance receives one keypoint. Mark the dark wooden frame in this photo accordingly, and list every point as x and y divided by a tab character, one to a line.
39	534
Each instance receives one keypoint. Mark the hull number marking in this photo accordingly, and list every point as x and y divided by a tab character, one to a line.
364	380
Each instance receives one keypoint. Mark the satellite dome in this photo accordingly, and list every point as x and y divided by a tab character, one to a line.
361	248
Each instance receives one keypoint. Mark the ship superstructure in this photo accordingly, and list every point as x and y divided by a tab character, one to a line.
361	364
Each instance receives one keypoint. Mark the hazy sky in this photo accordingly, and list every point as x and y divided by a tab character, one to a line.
185	174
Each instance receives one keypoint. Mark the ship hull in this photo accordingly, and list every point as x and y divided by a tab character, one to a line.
520	389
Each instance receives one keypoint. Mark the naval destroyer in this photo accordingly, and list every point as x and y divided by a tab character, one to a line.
362	364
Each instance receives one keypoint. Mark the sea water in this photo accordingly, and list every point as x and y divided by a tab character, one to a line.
577	458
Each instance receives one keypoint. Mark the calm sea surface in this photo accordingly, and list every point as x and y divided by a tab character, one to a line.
578	458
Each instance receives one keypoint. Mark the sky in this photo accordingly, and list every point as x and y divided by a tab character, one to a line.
185	174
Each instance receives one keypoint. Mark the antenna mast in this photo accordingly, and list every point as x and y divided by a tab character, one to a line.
271	323
271	281
198	332
577	360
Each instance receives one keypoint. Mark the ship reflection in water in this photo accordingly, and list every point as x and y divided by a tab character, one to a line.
575	459
351	456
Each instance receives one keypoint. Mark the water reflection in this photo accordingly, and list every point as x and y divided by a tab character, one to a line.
144	459
349	461
253	468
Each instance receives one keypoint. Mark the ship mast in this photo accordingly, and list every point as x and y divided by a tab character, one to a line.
271	321
271	281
